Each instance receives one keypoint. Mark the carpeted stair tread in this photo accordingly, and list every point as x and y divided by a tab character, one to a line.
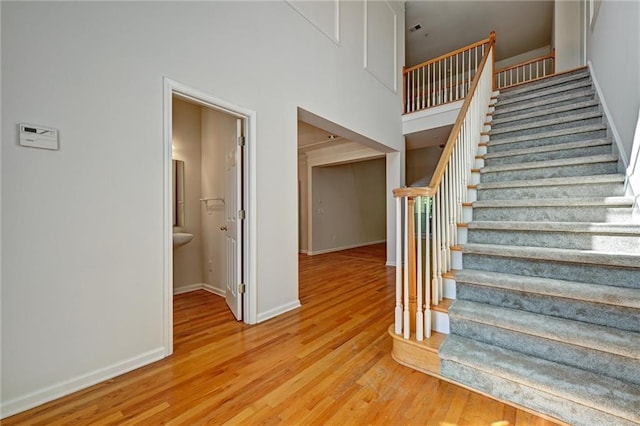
545	92
547	135
543	104
548	148
548	298
594	159
572	180
577	333
593	391
598	227
555	202
547	122
543	112
553	80
595	293
624	260
602	236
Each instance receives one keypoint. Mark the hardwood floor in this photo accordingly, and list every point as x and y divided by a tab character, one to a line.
327	363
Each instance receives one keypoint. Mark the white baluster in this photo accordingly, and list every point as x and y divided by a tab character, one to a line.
406	324
419	313
427	272
424	104
437	243
398	310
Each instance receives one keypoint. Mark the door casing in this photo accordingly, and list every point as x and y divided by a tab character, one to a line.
250	310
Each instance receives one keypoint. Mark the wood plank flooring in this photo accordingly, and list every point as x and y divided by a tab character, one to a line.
326	363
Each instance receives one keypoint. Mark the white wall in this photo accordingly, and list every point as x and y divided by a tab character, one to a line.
421	163
348	205
613	48
567	34
83	226
217	128
187	259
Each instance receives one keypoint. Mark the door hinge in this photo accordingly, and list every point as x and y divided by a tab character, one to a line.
241	288
241	141
242	214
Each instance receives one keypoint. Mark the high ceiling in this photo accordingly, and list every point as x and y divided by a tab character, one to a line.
520	26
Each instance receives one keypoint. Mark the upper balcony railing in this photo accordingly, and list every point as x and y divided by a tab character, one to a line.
525	72
444	79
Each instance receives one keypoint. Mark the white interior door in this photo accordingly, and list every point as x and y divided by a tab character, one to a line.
233	226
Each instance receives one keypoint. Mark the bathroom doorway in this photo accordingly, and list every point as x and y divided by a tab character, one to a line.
208	201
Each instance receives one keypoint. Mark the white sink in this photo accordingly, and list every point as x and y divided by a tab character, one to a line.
181	238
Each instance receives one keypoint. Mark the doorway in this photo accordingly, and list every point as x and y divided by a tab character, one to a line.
221	193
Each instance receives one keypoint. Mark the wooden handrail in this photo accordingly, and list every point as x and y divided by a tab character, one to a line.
453	136
429	191
490	39
413	191
551	55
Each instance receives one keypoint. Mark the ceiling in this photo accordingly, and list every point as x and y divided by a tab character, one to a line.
520	25
311	137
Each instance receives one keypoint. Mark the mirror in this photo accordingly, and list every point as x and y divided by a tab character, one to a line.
178	192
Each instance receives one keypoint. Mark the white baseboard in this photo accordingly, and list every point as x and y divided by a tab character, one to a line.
199	286
390	263
330	250
214	290
302	251
271	313
607	114
67	387
187	288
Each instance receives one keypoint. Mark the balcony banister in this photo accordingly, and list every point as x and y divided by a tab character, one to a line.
453	136
527	71
444	79
551	55
489	39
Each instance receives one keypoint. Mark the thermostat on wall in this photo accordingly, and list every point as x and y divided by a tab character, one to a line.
38	137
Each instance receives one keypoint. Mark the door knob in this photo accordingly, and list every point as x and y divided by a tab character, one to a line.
223	228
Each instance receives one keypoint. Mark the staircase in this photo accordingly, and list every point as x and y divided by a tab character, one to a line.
547	314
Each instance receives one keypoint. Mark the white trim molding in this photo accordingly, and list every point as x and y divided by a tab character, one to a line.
334	249
391	85
306	10
67	387
272	313
214	290
199	286
631	168
250	305
607	113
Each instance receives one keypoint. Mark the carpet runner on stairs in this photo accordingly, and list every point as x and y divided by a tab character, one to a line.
547	314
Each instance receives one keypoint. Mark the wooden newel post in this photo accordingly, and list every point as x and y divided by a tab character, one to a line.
411	235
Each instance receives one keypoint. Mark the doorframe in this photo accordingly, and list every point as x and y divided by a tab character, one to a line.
250	306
